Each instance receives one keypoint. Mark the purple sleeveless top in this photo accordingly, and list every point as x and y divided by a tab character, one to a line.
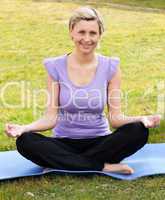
81	108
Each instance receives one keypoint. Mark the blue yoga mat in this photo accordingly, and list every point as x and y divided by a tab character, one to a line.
150	160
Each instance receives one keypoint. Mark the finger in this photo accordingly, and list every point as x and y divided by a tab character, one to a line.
158	118
7	131
10	126
6	126
157	121
147	123
9	134
18	135
12	135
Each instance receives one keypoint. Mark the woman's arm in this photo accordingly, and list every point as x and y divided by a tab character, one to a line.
49	118
115	116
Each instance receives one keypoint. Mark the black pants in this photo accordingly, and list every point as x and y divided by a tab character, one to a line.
83	154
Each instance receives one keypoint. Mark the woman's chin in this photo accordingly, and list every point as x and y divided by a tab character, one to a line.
86	51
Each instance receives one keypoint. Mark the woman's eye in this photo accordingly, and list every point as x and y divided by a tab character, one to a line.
82	32
93	33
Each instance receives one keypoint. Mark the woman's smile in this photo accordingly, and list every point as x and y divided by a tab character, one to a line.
86	46
85	35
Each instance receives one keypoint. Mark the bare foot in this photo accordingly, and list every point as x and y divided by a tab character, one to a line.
118	168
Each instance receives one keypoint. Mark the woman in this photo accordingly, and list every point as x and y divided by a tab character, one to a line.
80	85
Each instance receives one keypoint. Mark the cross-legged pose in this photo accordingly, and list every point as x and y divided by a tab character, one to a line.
80	84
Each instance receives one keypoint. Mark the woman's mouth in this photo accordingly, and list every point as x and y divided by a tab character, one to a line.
86	46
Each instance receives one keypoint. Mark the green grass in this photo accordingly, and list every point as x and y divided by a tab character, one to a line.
31	31
82	188
160	4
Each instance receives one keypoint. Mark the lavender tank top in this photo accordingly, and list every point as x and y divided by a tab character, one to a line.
81	108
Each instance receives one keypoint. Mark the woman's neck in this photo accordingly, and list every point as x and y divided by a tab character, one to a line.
84	59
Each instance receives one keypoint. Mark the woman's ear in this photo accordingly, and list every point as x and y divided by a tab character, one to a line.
70	33
98	45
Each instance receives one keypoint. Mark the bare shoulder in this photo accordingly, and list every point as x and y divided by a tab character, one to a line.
54	60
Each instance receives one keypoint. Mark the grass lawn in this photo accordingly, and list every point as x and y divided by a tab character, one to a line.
160	4
33	30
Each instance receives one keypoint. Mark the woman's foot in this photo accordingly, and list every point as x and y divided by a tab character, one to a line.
118	168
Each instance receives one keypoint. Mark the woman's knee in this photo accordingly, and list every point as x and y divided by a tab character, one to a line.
141	129
23	142
137	130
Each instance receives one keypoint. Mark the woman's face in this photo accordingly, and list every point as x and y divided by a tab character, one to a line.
85	35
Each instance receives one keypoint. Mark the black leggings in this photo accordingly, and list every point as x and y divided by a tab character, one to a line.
83	154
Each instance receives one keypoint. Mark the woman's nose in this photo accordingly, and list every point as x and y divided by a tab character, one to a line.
86	38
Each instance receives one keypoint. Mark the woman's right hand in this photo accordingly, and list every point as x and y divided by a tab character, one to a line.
14	130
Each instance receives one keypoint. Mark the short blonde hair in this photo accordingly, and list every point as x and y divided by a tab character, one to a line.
86	13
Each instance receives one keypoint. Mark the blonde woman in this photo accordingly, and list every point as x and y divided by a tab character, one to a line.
80	84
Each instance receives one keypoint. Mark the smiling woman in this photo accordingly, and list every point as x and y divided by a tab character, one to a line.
80	84
85	36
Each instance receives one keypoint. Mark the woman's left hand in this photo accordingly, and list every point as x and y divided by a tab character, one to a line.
151	121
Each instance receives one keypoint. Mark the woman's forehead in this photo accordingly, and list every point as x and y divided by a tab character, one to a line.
90	24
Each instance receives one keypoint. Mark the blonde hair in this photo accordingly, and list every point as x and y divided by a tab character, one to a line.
86	13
